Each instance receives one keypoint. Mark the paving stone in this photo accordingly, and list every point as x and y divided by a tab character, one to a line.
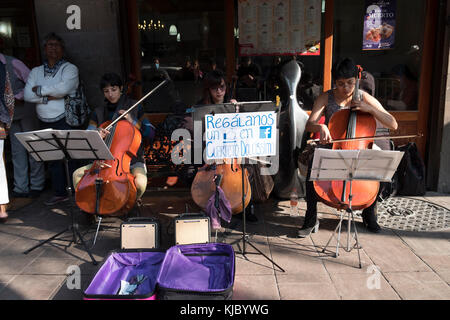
255	287
369	286
418	285
48	266
390	253
31	287
427	243
307	291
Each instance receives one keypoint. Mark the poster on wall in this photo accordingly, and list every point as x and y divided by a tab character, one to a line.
279	27
379	24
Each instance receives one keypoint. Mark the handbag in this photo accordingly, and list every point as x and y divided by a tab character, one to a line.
76	108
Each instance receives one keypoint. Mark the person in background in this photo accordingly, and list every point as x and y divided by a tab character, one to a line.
409	91
248	74
212	65
156	73
308	91
186	73
29	174
6	116
273	78
198	74
47	85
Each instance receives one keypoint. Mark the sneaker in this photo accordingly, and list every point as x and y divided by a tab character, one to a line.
56	199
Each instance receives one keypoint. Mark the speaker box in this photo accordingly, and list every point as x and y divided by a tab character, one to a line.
139	233
192	228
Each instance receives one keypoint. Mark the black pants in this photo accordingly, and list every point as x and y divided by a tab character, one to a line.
57	168
311	204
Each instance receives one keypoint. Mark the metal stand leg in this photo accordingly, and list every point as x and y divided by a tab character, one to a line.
72	227
350	221
245	235
96	232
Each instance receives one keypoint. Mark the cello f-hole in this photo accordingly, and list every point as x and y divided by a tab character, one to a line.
117	168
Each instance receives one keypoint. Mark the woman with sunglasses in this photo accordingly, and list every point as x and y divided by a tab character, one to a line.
215	90
344	75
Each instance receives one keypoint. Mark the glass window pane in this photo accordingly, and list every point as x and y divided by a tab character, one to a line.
397	70
185	37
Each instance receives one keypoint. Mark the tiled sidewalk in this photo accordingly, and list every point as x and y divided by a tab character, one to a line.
396	264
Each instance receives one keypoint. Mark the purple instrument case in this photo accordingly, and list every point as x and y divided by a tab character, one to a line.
123	265
197	272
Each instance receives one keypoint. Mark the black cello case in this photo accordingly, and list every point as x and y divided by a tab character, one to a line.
292	128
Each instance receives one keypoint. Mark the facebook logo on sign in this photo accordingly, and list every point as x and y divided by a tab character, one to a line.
265	132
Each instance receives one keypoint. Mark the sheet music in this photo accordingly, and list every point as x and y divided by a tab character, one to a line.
379	165
80	144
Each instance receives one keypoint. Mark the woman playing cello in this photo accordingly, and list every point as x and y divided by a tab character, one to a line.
345	73
116	103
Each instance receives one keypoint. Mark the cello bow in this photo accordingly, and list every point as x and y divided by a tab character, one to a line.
370	138
136	104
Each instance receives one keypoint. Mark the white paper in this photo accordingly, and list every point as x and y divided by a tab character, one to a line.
42	145
348	165
279	26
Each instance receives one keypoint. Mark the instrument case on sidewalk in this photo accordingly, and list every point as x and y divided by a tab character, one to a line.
139	255
192	228
125	265
197	272
139	233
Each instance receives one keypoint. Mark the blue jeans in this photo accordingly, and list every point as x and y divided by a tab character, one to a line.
57	169
29	174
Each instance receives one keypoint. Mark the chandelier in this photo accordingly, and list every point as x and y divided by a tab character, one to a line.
152	25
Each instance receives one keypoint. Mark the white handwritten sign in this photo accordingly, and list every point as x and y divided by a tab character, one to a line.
238	135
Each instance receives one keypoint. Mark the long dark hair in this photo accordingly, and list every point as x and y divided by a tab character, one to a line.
213	80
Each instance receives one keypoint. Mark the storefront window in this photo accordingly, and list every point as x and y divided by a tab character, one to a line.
396	67
300	37
16	31
179	40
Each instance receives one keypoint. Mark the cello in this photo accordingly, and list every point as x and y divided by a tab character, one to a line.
108	186
232	181
230	177
349	125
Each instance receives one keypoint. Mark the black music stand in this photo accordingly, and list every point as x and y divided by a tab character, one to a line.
199	113
65	145
348	166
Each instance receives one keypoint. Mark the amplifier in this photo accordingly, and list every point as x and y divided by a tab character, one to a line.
192	228
139	233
